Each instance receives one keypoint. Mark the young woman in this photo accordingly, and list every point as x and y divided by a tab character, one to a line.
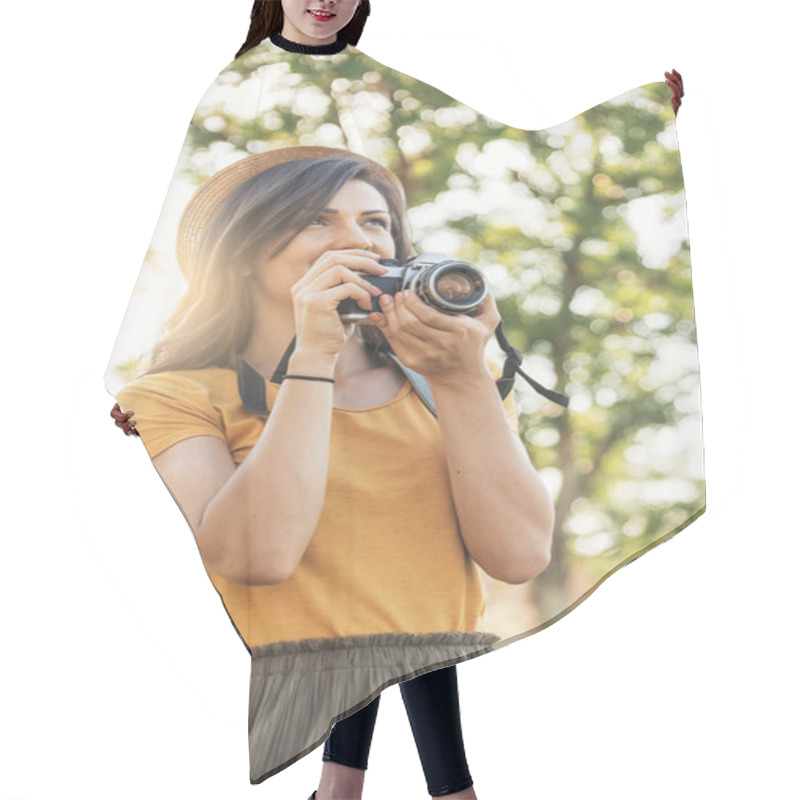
345	451
266	499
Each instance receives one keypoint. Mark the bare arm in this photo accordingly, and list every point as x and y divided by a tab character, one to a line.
504	511
253	523
505	514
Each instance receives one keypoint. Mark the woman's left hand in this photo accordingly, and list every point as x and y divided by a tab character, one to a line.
442	347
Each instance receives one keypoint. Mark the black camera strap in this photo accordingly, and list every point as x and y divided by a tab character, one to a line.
513	366
252	387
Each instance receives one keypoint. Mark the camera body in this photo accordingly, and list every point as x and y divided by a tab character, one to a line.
447	284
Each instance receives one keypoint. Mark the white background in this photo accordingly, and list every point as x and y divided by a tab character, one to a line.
120	675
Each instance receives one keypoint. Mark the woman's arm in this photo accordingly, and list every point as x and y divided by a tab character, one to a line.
505	514
253	522
504	511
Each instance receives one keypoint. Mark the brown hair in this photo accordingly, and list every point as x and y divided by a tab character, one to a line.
213	320
266	18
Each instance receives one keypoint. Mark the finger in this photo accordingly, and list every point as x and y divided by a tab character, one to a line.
330	298
675	81
488	313
338	275
394	328
362	260
432	317
676	88
485	320
407	319
412	324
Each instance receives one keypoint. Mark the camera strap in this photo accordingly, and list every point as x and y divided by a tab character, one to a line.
252	387
513	366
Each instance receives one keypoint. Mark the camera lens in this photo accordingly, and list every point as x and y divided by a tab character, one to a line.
454	287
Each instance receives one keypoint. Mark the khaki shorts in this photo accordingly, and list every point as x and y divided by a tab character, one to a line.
299	690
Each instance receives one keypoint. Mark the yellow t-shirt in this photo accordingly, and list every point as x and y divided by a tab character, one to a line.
386	556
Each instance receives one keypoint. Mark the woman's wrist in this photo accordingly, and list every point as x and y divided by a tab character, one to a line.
463	380
316	365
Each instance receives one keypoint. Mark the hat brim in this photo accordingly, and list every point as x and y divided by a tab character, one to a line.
222	184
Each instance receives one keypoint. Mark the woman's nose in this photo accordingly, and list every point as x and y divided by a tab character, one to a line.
353	236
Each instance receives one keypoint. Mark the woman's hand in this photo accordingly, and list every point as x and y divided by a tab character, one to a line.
316	297
444	348
122	419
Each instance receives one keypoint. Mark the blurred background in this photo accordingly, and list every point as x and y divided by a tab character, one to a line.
581	231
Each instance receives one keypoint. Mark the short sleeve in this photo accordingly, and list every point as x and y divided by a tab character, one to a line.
169	407
509	404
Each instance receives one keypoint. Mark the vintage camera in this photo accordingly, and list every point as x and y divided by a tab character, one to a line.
447	284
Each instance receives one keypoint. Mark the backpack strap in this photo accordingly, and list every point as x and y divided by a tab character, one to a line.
252	387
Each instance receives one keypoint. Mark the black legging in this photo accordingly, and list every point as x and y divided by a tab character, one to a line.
431	702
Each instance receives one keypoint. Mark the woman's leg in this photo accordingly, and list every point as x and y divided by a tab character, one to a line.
346	753
433	710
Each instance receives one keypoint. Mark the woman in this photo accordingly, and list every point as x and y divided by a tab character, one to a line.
257	494
269	258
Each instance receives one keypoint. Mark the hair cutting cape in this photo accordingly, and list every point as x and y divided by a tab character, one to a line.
580	230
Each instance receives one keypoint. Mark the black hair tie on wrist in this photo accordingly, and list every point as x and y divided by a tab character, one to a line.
308	378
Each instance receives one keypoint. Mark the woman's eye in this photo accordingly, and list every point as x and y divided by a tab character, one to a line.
382	222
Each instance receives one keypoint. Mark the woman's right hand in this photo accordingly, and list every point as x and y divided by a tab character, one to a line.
316	297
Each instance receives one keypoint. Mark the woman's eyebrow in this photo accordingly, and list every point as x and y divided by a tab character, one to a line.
363	213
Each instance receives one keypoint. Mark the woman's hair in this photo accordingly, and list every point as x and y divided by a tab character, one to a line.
213	320
266	18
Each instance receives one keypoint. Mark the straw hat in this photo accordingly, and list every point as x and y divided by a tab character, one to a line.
210	195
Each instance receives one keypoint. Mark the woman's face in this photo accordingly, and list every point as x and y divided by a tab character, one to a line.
316	21
356	217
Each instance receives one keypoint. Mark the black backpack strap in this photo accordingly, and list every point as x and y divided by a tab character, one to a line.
283	364
253	388
512	368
